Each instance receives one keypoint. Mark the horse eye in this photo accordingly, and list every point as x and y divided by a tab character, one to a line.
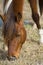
19	15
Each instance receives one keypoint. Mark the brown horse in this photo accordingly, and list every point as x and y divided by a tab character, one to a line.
14	31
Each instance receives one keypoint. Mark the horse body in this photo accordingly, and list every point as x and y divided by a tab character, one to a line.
14	31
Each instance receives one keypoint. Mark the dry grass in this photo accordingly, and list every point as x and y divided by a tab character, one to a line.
31	52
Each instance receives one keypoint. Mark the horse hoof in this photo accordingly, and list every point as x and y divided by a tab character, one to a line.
11	58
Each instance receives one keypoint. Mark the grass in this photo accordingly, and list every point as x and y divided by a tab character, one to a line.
31	52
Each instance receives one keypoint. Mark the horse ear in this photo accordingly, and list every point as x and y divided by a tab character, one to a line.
2	17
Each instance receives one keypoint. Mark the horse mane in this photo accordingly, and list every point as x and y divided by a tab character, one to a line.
9	30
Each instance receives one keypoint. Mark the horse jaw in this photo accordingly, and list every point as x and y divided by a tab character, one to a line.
41	35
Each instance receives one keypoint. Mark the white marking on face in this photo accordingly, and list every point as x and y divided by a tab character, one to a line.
38	8
41	35
7	6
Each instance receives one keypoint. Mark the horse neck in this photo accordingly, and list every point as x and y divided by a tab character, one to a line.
17	6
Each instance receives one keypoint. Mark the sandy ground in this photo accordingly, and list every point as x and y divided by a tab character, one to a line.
31	52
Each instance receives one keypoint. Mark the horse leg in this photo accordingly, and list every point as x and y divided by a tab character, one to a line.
41	6
36	20
36	17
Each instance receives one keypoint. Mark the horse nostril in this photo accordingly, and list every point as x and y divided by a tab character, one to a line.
11	58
